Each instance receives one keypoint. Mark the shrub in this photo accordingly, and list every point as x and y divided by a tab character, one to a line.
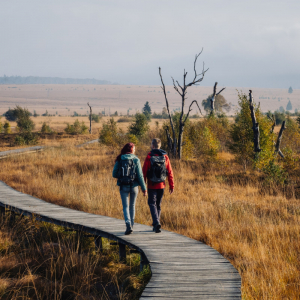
132	139
46	128
275	173
24	123
95	118
291	136
124	119
6	127
242	136
26	138
140	126
76	128
110	135
10	115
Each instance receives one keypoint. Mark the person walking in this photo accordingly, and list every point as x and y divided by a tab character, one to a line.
156	169
128	170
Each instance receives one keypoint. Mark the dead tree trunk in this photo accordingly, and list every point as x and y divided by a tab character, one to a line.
176	148
255	125
277	146
90	117
212	99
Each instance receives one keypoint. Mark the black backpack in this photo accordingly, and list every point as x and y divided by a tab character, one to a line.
158	171
126	172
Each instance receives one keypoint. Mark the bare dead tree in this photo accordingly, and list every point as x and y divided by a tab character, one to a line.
273	120
176	148
255	126
212	98
90	117
277	146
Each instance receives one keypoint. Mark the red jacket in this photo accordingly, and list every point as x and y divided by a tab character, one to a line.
159	185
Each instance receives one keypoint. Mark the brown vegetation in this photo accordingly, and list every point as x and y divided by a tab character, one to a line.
253	225
44	261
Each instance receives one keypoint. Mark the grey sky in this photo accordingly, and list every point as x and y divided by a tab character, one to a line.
246	43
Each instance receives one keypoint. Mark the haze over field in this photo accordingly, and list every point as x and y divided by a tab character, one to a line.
65	99
246	43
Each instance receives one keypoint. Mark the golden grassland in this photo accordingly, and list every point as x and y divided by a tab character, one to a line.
43	261
214	202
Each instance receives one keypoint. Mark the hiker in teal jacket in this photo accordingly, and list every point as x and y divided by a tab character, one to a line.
129	178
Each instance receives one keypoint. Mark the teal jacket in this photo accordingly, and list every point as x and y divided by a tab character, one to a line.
139	180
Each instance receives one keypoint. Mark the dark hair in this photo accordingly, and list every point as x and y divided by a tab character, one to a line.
127	149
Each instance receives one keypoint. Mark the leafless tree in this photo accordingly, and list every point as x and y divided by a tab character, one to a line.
212	98
90	117
278	142
175	144
255	126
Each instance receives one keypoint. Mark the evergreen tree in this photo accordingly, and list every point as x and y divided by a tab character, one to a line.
289	106
290	90
140	126
147	109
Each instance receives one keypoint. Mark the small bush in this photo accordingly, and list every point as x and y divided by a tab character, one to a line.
110	135
140	126
46	128
6	128
76	128
26	138
95	118
124	119
275	173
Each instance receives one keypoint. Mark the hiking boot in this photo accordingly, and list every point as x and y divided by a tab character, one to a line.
128	229
157	228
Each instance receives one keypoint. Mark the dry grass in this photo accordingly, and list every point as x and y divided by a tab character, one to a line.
43	261
216	203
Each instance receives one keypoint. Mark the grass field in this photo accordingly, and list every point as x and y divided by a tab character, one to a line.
214	202
65	99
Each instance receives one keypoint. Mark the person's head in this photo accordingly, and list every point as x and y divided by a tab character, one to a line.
129	148
156	144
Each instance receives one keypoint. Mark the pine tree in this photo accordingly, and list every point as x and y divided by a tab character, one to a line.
147	109
289	106
290	90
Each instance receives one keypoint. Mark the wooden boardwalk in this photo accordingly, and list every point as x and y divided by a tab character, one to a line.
7	153
182	268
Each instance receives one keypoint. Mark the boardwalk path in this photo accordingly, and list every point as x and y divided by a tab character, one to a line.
182	268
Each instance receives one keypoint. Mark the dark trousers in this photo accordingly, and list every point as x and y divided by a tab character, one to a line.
154	202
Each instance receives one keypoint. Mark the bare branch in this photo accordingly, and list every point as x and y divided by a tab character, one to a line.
273	120
221	91
195	80
277	146
255	125
167	104
90	117
175	87
190	109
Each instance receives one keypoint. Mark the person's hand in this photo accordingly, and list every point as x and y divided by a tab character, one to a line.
171	191
145	193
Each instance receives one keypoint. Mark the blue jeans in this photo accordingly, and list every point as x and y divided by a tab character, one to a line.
128	196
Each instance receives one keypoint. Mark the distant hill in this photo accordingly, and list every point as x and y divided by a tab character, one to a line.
48	80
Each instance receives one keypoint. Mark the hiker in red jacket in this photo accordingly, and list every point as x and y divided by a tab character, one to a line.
156	169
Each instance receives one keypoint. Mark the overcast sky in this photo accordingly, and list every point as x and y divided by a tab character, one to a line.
246	43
